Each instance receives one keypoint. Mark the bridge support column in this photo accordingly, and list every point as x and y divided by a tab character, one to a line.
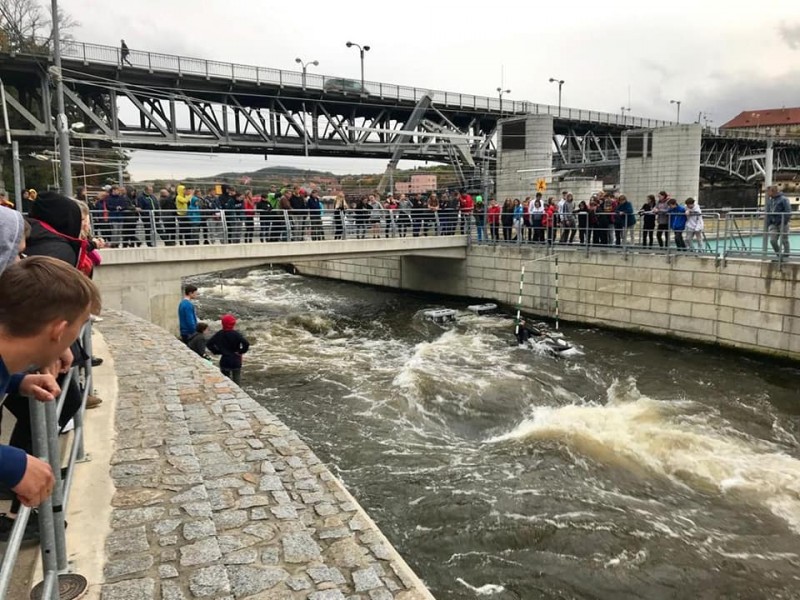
524	154
666	158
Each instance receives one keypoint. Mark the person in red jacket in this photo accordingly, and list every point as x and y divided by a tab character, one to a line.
467	206
493	219
549	220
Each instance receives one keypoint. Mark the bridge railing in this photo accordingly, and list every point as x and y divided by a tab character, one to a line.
224	226
86	54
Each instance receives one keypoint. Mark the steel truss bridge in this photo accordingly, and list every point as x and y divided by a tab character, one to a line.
156	101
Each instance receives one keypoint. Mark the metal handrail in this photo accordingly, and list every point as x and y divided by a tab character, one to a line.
45	429
87	53
722	237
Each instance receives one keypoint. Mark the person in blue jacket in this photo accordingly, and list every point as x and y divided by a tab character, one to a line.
187	315
677	222
624	220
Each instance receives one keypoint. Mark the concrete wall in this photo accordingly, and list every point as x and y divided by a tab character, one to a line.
673	166
743	304
538	155
147	281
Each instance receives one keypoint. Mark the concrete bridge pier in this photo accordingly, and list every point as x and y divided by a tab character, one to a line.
665	158
524	154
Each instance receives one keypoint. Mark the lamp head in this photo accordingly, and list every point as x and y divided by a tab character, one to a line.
349	44
297	60
366	48
315	63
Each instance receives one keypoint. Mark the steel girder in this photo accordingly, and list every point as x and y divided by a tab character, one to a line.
744	158
122	115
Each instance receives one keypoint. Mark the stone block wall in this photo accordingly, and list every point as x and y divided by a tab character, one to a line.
673	165
536	160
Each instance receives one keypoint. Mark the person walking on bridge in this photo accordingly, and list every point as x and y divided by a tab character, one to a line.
778	220
124	53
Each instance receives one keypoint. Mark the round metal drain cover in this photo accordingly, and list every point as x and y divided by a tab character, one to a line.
70	586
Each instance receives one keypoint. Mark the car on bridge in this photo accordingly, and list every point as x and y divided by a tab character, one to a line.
345	86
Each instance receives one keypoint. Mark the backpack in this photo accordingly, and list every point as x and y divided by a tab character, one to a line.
84	263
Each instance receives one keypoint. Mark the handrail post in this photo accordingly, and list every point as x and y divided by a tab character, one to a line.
57	497
150	62
224	223
46	533
287	223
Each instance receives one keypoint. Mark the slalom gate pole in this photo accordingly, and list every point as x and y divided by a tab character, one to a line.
519	299
556	259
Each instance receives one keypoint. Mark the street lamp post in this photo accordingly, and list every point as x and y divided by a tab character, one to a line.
305	131
678	104
560	82
361	50
500	92
61	118
305	66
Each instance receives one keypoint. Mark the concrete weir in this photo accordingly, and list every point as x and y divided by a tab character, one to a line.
215	497
751	305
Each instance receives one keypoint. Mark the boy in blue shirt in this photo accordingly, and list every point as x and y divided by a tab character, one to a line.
187	315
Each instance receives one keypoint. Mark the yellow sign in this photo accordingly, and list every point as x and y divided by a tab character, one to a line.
541	185
218	189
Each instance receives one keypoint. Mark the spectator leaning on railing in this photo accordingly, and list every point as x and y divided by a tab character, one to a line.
778	220
43	305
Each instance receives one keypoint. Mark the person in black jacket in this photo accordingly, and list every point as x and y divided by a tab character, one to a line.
230	344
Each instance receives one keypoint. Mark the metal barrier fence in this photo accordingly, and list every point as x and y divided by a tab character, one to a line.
730	234
166	227
45	429
739	233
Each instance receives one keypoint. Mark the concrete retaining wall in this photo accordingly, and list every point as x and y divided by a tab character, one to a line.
744	304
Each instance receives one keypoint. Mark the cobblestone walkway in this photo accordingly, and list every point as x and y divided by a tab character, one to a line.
216	498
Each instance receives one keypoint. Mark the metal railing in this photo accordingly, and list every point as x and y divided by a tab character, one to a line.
224	226
73	51
743	234
45	429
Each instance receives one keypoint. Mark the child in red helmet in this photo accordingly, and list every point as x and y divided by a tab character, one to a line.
230	344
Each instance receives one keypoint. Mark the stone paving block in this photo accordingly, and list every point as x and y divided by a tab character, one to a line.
129	517
125	541
229	519
167	572
300	547
195	530
270	483
209	581
134	589
129	565
171	590
192	495
241	557
247	581
263	531
200	553
365	580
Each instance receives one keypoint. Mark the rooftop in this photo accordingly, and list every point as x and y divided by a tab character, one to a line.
770	117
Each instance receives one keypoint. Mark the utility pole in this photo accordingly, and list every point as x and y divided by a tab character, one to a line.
61	118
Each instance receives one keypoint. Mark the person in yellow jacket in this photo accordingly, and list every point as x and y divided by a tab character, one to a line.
182	199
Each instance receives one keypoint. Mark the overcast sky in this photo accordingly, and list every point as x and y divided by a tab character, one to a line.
718	57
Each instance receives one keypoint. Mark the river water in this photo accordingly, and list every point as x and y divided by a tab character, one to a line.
637	468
